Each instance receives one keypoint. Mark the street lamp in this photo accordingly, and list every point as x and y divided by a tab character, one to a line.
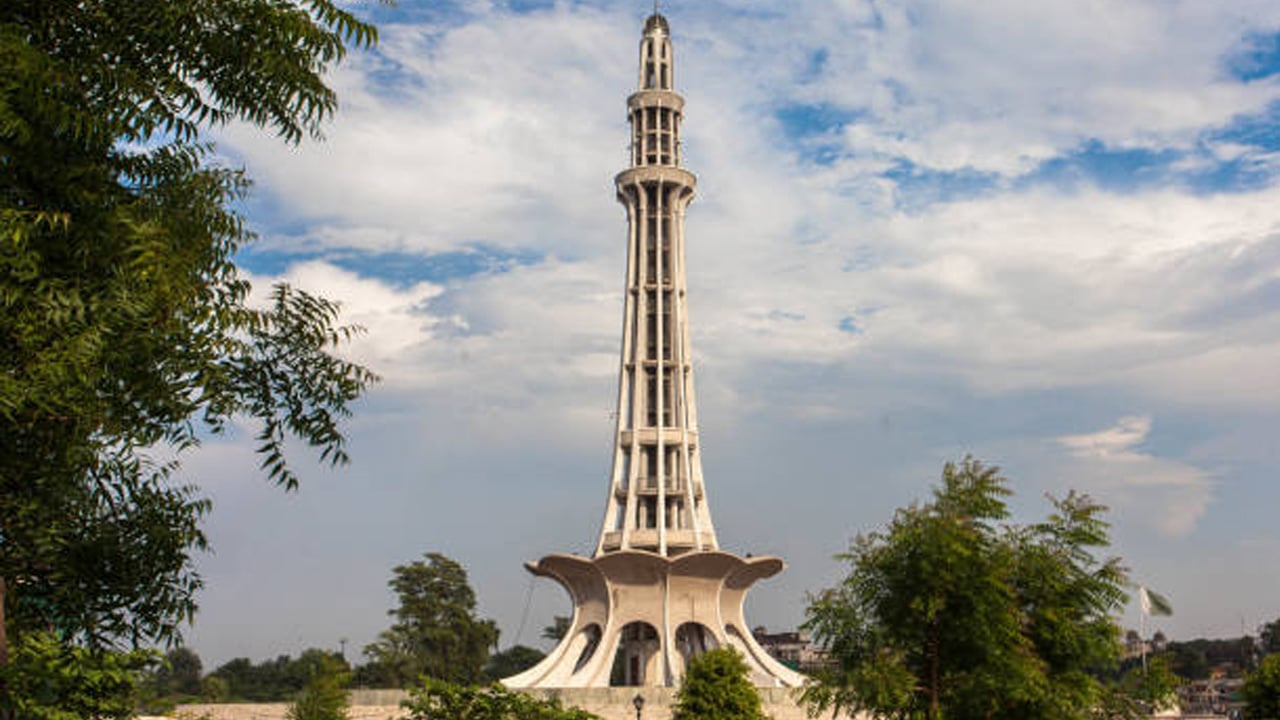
638	702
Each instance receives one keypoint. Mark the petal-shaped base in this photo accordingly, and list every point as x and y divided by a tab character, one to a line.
638	617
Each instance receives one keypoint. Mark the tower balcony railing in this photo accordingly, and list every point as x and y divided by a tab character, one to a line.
649	436
647	538
649	485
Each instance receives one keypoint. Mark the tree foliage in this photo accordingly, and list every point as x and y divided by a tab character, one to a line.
558	628
1152	688
273	680
951	611
1200	658
46	680
324	696
1262	690
178	674
442	700
126	330
436	632
1269	637
716	686
515	659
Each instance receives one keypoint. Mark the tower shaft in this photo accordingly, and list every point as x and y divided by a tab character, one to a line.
657	501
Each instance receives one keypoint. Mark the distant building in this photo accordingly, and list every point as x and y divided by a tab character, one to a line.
793	649
1216	696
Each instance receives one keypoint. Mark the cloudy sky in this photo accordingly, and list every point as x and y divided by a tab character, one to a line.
1047	234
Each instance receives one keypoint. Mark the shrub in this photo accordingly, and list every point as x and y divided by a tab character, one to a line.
716	687
441	700
45	680
324	696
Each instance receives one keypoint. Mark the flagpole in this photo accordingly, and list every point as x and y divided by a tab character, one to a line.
1142	638
1144	607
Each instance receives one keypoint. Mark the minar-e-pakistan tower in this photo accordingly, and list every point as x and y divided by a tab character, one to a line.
657	590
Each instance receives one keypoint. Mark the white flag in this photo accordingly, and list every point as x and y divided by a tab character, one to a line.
1153	603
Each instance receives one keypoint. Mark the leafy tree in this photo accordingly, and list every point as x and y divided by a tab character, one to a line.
716	687
1269	637
46	680
1197	659
214	689
953	612
179	673
515	659
442	700
125	329
558	628
1145	691
373	674
436	632
1067	597
274	680
324	696
1262	690
1189	659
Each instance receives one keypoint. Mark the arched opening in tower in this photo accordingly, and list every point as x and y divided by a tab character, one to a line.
693	639
639	652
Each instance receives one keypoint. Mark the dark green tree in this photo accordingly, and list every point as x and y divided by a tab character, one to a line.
436	632
1190	659
274	680
1200	658
716	686
1269	637
47	680
442	700
324	694
179	673
1067	598
513	660
214	689
1262	690
125	329
558	628
1152	688
951	611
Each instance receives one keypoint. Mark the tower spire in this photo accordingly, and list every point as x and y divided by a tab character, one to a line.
656	501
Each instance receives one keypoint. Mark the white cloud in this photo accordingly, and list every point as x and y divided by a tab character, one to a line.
1117	441
1002	85
396	321
1013	290
494	133
1169	495
518	350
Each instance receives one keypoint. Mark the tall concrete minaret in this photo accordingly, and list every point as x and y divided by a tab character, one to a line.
657	501
657	590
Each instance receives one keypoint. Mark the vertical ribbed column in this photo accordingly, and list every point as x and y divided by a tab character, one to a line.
656	498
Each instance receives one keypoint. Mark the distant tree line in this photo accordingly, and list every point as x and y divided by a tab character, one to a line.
1203	658
436	633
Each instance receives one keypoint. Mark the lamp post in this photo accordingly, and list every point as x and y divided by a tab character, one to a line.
638	702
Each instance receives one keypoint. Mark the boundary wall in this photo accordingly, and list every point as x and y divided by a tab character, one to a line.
611	703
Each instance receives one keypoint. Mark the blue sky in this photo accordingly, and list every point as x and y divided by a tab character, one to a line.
1041	233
